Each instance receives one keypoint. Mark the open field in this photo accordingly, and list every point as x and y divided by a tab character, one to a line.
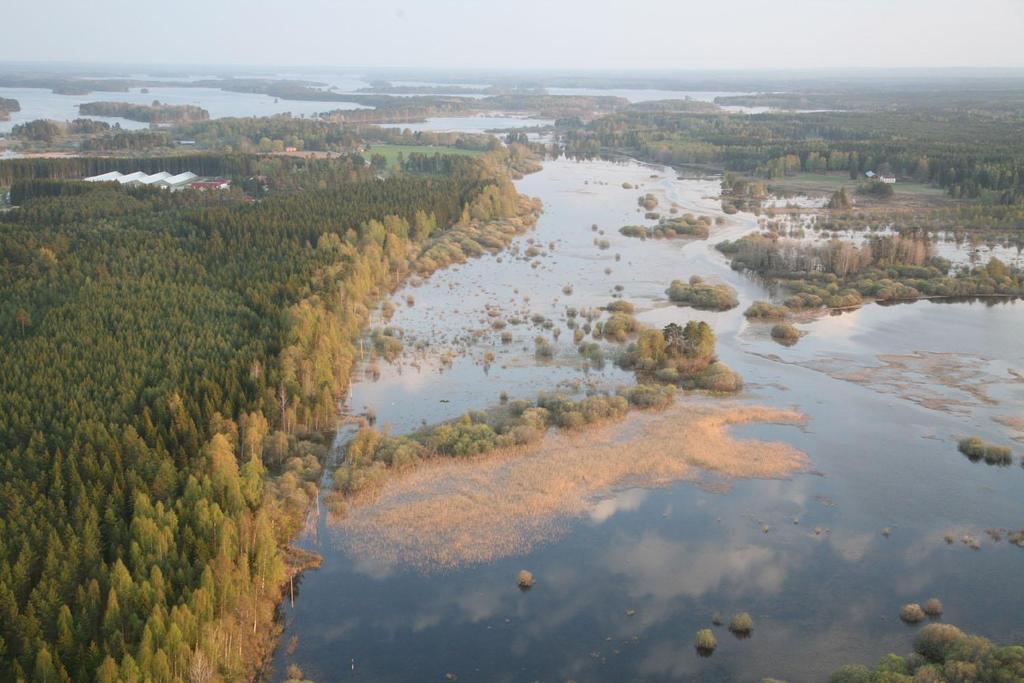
391	152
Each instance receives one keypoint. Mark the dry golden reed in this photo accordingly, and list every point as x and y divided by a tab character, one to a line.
455	511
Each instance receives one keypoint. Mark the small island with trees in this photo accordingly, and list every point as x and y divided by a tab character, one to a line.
157	112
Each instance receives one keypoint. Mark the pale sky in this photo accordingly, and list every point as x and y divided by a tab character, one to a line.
556	34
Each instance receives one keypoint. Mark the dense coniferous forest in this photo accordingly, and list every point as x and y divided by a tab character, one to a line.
170	365
76	168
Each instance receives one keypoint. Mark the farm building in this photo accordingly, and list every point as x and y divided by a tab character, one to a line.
162	179
211	184
887	179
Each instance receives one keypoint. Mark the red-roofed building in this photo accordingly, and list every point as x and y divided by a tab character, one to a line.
211	184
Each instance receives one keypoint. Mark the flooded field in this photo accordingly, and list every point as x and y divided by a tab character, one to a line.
863	414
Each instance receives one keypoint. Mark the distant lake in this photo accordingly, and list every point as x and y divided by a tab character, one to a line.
471	124
39	103
646	95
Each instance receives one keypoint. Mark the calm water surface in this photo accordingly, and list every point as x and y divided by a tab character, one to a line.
472	124
620	597
37	103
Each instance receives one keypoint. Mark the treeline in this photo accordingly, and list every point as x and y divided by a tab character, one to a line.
943	654
164	374
769	254
839	274
278	133
268	134
88	135
74	168
7	106
24	190
404	136
157	112
46	130
128	141
970	156
971	96
386	88
69	85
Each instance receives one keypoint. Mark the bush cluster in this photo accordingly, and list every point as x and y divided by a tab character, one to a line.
701	295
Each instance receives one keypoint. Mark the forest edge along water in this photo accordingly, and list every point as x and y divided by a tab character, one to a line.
762	541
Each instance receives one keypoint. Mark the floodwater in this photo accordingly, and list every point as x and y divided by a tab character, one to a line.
960	249
887	391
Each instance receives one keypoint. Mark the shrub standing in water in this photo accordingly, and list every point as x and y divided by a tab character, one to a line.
701	295
619	326
741	624
656	396
680	355
912	613
621	306
525	579
677	226
785	333
976	449
933	607
765	310
706	642
542	348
